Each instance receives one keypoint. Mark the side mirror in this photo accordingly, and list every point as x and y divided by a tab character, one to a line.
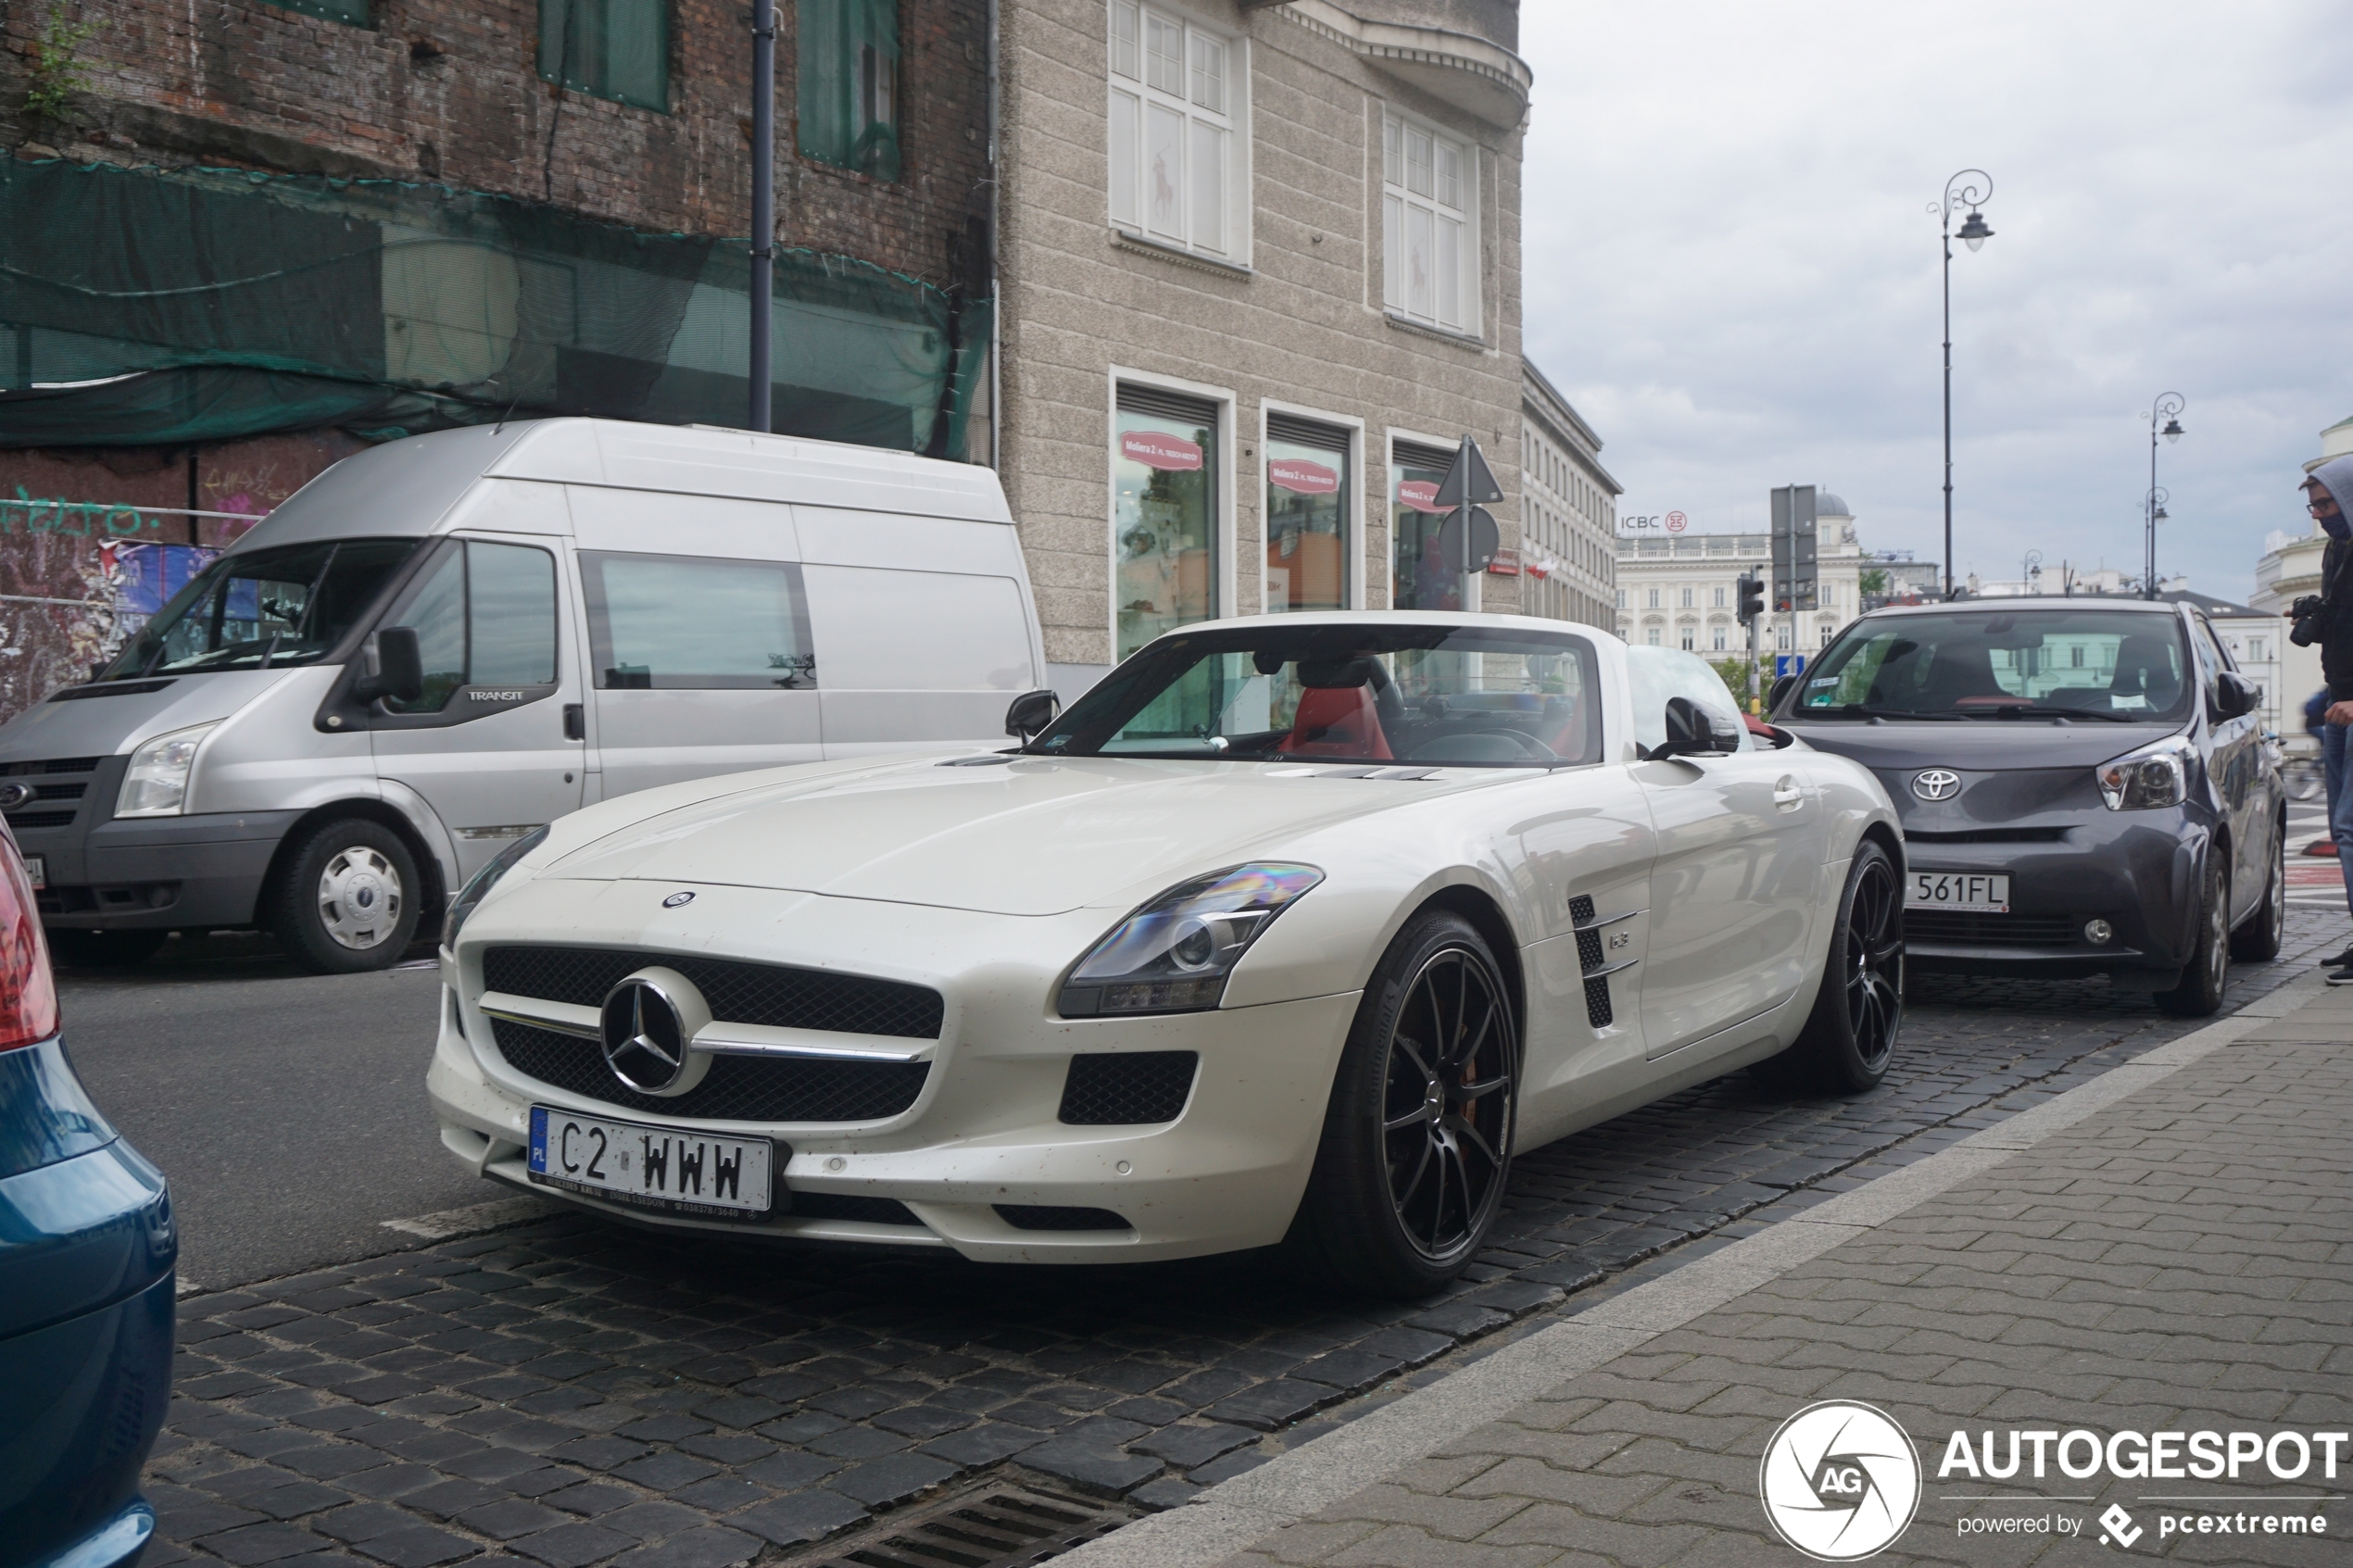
1780	689
1694	731
400	667
1030	713
2236	695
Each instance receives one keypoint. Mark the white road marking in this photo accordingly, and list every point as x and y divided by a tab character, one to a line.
450	1224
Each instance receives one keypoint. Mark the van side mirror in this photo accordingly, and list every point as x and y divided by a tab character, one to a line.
1778	690
400	667
1030	713
2236	695
1693	731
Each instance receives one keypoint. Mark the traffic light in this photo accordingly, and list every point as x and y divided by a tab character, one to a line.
1752	593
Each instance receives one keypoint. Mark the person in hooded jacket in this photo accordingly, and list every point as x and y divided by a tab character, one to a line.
2326	492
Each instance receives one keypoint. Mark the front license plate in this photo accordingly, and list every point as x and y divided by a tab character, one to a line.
664	1168
38	869
1984	893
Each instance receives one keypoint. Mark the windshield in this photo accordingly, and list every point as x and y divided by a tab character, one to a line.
2111	665
256	609
1451	696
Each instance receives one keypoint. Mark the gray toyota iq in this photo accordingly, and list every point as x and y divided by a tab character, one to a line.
2085	785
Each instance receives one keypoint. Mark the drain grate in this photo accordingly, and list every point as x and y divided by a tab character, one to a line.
998	1525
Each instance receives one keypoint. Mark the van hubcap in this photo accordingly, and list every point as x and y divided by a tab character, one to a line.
359	898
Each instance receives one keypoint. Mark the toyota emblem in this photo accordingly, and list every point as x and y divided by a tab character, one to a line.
644	1039
1936	783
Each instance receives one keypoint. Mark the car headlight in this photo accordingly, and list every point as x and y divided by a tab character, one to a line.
1174	954
478	888
2156	774
156	782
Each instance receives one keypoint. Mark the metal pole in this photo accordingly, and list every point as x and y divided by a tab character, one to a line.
1945	225
761	416
2148	512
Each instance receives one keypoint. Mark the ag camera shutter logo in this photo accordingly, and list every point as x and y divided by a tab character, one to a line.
1840	1481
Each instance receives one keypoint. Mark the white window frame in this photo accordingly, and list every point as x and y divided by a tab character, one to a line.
1404	203
1229	474
1208	113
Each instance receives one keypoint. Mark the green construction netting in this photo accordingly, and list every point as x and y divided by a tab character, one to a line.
153	308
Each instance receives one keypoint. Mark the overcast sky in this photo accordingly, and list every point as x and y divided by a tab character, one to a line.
1732	272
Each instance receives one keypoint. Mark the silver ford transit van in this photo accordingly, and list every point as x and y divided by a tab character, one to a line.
443	642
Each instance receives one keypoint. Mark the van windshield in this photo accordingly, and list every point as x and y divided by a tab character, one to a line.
255	609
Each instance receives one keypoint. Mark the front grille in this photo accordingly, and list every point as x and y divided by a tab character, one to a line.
1946	926
1127	1088
56	765
841	1206
738	1088
1057	1217
769	994
1988	836
40	819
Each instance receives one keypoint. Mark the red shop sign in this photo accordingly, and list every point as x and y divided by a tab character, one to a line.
1505	564
1153	449
1299	474
1420	494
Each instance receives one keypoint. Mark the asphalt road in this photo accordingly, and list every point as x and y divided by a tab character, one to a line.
287	1108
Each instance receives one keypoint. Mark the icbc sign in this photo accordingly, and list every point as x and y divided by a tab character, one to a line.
1653	524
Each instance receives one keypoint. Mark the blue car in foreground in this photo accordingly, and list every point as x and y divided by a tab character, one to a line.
87	1246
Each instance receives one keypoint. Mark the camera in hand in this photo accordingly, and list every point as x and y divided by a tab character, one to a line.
2310	617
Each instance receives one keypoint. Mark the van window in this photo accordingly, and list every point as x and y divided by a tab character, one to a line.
677	621
484	616
256	609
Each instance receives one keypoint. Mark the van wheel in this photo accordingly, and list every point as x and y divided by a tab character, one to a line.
1417	1139
2259	940
106	949
347	900
2208	973
1850	1036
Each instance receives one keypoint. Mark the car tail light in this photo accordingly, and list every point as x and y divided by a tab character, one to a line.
28	992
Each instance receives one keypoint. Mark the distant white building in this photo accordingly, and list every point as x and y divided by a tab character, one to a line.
1568	511
1679	592
2075	582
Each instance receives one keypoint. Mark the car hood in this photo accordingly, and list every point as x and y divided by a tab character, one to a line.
1976	745
1035	837
122	714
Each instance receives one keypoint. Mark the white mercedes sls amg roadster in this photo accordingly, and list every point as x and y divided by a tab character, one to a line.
1287	933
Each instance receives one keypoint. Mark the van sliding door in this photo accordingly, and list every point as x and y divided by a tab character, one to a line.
917	660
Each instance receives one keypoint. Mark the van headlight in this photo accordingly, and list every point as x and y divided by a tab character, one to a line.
2158	774
478	886
156	783
1173	954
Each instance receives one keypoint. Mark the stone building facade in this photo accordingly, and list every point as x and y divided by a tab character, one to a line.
1569	516
1680	592
1259	268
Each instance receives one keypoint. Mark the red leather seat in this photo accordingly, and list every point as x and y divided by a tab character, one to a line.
1338	721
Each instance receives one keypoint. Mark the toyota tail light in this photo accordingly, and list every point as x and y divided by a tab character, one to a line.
28	991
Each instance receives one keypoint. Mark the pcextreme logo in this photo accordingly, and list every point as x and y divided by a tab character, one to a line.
1840	1481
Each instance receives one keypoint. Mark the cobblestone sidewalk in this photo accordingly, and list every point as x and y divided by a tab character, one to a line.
2177	1261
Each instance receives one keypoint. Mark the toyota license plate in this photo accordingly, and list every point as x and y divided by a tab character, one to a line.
1981	893
38	869
650	1167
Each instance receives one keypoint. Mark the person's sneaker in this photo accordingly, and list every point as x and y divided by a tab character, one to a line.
2342	961
2343	976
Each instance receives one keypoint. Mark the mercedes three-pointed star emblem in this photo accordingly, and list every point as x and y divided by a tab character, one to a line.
644	1039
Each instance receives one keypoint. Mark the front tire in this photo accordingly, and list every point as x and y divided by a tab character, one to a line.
2259	939
1417	1139
347	900
2207	975
1850	1036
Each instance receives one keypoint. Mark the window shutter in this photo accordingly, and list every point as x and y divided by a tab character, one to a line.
1168	405
1306	432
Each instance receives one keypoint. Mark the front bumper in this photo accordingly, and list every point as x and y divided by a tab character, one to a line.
1225	1174
2138	870
156	873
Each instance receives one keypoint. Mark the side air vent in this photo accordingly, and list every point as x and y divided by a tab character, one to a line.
1581	909
1127	1088
1598	1011
1591	951
1056	1217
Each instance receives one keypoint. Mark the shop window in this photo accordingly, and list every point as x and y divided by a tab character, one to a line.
683	622
846	102
1429	233
1178	94
617	49
1308	491
1421	576
1164	522
356	12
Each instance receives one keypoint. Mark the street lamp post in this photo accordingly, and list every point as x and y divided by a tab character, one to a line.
763	214
1961	190
2166	405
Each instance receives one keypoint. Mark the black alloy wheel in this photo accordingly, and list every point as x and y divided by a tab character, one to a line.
2207	975
1850	1038
2259	940
1417	1142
